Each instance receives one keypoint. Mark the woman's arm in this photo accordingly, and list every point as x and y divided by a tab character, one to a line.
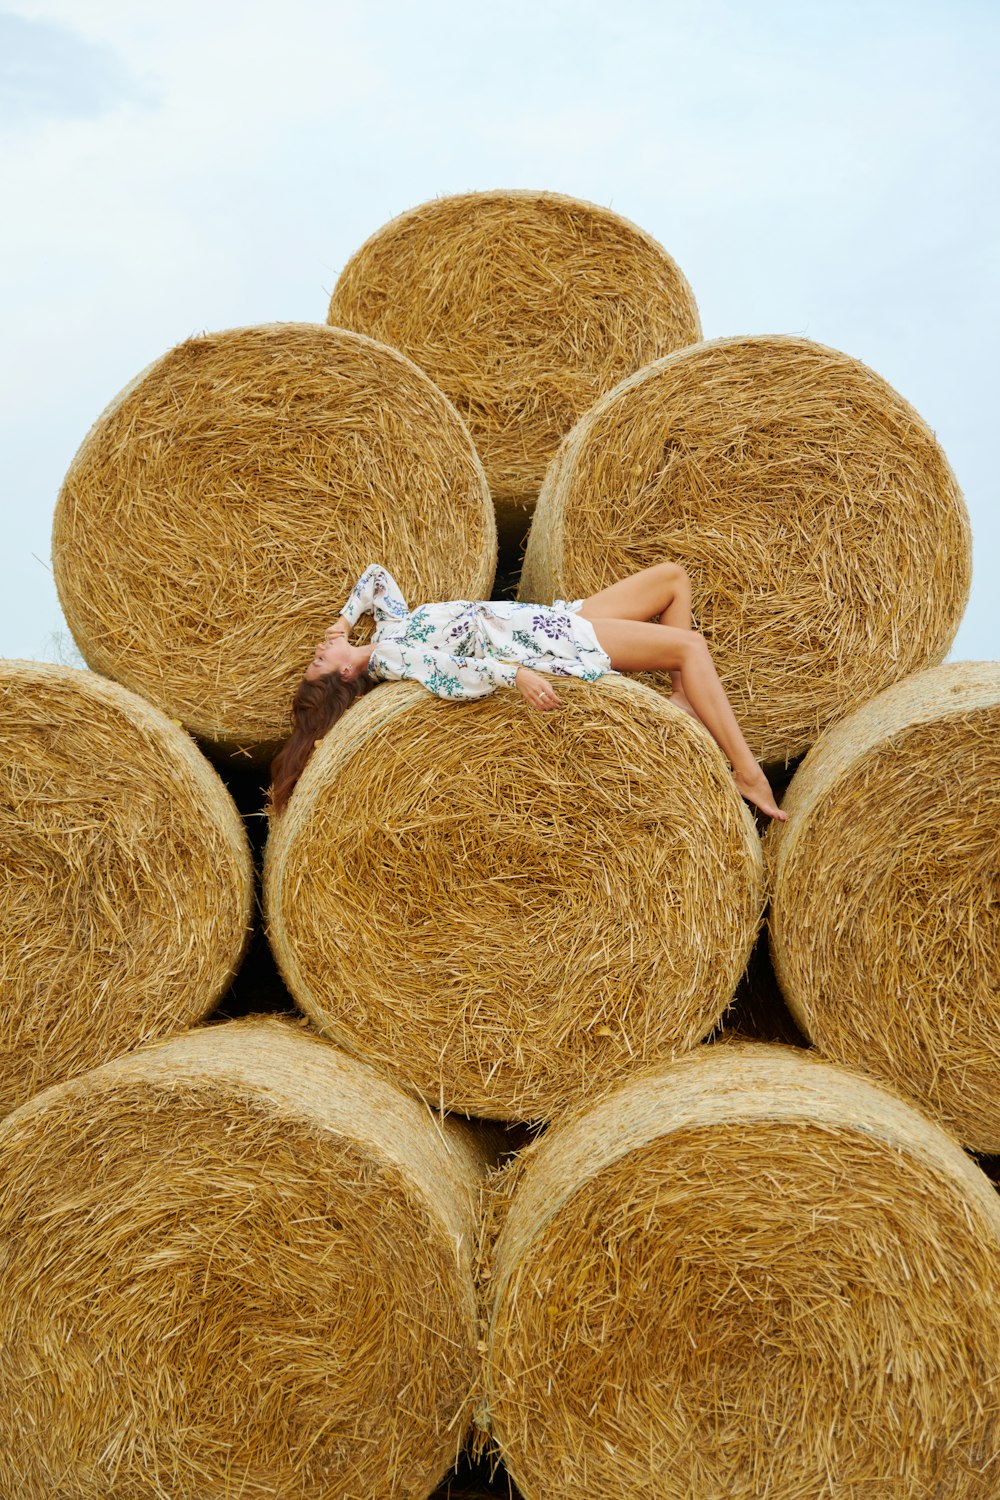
376	592
462	677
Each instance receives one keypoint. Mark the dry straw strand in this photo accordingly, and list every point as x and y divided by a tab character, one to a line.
824	532
523	307
508	910
236	1263
220	510
127	886
749	1273
885	922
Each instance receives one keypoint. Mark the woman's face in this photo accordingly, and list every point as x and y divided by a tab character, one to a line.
333	654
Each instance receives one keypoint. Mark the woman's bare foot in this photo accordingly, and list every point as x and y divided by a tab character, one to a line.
757	790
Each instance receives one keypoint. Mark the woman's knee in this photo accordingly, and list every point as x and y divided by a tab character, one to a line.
672	581
680	650
694	646
673	575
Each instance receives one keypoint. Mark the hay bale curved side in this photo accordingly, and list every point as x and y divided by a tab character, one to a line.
508	910
127	890
235	1254
749	1273
826	537
219	511
883	927
523	307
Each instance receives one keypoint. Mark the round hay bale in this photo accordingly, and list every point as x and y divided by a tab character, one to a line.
886	892
219	511
509	910
749	1274
127	889
523	307
236	1263
825	535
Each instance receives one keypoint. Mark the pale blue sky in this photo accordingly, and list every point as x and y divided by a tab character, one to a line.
823	169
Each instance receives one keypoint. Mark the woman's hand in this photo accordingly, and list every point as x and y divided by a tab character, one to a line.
339	627
536	689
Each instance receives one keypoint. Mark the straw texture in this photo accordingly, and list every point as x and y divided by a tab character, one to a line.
510	910
523	307
221	508
884	922
751	1274
826	538
126	887
234	1264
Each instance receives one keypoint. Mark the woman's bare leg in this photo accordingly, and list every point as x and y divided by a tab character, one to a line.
661	593
637	646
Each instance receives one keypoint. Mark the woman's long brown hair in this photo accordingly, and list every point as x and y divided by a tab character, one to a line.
316	707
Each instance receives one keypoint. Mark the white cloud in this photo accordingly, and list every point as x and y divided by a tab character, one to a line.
47	71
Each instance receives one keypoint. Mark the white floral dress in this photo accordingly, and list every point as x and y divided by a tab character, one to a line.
466	649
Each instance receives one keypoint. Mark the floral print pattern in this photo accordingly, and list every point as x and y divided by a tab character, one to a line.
466	648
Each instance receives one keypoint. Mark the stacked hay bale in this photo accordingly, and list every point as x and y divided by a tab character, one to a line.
511	910
524	308
125	899
234	1262
825	536
885	920
747	1274
222	506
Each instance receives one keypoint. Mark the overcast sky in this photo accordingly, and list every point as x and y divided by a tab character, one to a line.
826	169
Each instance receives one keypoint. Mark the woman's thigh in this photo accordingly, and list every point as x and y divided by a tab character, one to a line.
638	597
635	646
